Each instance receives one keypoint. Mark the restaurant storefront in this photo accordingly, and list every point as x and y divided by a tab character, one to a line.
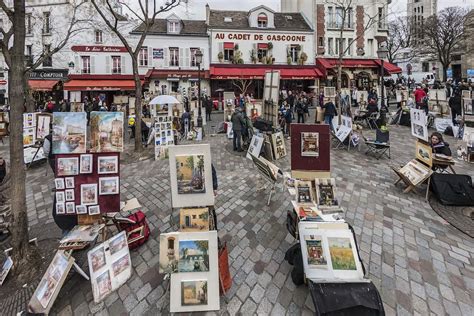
45	84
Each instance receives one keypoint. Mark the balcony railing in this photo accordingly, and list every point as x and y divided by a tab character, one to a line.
335	24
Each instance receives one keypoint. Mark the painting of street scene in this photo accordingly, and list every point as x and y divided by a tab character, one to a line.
193	256
194	219
106	132
190	174
342	256
193	293
69	133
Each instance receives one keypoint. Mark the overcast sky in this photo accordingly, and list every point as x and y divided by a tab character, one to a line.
196	8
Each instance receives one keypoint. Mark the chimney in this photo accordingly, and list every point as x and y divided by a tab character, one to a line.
208	11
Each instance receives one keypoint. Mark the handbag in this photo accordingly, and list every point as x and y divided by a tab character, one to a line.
137	229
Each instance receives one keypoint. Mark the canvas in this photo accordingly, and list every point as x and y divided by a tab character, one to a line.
193	256
424	153
67	166
415	172
28	137
42	126
106	131
193	293
69	132
89	194
121	265
86	164
419	124
104	285
326	193
97	258
279	148
342	256
310	144
107	164
169	253
316	257
194	219
190	174
109	185
304	191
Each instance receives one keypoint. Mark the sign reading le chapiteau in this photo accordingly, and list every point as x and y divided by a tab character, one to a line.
261	37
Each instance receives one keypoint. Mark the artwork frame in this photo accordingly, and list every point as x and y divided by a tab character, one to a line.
196	287
70	208
67	166
304	192
194	219
89	194
415	172
206	196
255	146
86	164
107	164
59	184
69	133
197	261
106	132
60	197
60	208
81	209
278	144
169	253
109	185
309	144
94	210
326	194
424	153
69	182
419	124
43	122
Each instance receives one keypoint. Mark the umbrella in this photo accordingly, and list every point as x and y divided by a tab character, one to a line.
164	99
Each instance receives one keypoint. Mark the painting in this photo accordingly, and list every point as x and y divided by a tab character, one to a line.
169	253
94	210
107	164
310	144
342	256
67	166
314	246
117	243
59	183
193	256
60	208
28	136
70	208
60	198
28	120
194	219
89	194
86	164
326	193
7	265
415	171
190	174
193	293
106	131
69	181
279	148
69	132
255	146
109	185
419	124
121	265
97	259
104	285
304	192
424	153
51	279
42	126
81	209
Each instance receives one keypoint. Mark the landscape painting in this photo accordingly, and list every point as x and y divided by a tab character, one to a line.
190	174
194	219
193	256
69	132
193	293
106	131
342	256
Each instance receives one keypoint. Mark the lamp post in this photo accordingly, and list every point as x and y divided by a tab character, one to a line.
198	56
382	53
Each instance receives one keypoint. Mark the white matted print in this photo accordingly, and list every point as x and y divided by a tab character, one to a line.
109	185
195	174
419	124
67	166
86	164
60	208
279	148
107	164
59	183
69	181
94	210
255	146
70	208
197	291
60	198
309	144
43	125
81	209
89	194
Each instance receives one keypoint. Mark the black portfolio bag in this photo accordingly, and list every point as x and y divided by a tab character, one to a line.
263	125
338	299
453	189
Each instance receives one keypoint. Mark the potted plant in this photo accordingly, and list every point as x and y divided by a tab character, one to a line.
253	56
303	57
236	46
270	45
269	60
220	56
289	61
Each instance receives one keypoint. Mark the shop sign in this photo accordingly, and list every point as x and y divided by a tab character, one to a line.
99	49
3	82
158	53
261	37
49	74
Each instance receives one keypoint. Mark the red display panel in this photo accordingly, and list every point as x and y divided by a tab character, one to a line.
322	161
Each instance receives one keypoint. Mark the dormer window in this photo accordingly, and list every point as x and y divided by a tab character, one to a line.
173	26
262	20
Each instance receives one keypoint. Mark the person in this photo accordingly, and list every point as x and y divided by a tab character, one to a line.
439	146
3	169
48	149
300	110
186	122
237	125
420	94
329	113
208	108
131	124
145	130
354	96
372	95
455	105
50	106
288	118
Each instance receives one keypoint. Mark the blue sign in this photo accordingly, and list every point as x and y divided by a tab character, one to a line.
449	73
470	72
158	53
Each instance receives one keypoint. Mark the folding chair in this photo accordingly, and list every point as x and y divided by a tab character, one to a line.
380	146
371	120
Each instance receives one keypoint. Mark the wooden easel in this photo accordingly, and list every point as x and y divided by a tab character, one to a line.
410	186
268	172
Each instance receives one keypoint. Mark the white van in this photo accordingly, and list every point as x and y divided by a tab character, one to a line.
419	76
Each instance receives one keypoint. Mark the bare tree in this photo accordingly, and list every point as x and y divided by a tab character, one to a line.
400	38
443	33
242	84
145	11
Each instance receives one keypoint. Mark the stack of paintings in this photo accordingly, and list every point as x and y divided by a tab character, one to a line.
164	135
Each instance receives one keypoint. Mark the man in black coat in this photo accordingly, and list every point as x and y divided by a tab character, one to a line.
455	105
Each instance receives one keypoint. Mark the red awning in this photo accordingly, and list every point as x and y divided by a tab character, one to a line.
228	45
329	63
99	85
259	73
262	45
389	67
42	85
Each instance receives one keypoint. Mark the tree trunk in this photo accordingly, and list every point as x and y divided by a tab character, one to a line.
19	228
445	72
138	106
29	101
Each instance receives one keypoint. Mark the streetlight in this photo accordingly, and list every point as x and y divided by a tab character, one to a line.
382	53
198	56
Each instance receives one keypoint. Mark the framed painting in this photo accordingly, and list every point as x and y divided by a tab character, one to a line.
419	124
424	153
106	131
278	144
304	160
43	122
69	132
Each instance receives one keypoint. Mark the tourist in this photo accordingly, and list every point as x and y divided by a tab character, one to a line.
420	96
288	118
329	113
145	131
185	122
300	110
48	149
131	124
439	146
237	125
208	104
455	105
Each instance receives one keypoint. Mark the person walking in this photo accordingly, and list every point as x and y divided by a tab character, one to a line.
288	118
208	108
329	113
420	96
455	105
237	125
300	110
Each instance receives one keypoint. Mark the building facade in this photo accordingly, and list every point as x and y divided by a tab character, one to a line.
244	44
462	64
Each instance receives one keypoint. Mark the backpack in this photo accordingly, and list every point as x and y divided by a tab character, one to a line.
138	232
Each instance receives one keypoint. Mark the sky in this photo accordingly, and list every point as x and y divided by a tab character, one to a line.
196	8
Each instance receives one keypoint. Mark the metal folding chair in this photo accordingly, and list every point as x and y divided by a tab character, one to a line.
380	146
371	120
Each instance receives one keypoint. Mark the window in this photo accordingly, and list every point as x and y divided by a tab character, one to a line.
331	16
262	50
98	36
48	61
86	64
174	57
370	49
29	26
173	27
262	20
321	41
116	64
228	51
338	46
349	44
193	56
294	50
381	19
46	23
330	48
174	86
29	55
143	57
338	17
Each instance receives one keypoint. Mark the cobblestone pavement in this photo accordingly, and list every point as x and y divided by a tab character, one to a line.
419	263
